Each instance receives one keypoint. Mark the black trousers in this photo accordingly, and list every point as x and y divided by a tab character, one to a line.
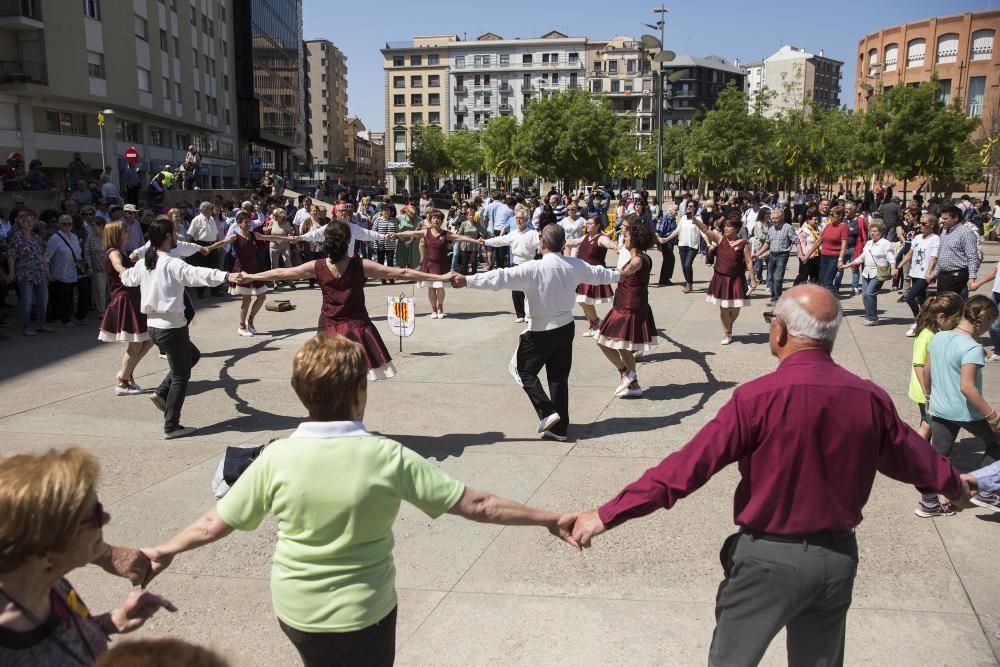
518	298
954	281
808	272
553	351
182	356
374	646
209	261
61	299
667	268
916	294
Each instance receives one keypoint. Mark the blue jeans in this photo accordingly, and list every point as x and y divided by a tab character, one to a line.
776	263
827	271
687	263
855	272
869	294
32	294
995	327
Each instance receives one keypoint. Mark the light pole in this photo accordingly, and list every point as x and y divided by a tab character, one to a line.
659	59
100	124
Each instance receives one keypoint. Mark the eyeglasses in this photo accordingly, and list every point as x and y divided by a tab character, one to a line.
96	517
768	316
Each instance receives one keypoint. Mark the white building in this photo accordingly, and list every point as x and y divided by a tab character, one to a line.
798	80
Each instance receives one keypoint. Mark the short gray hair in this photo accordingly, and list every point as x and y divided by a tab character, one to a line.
554	237
801	323
205	204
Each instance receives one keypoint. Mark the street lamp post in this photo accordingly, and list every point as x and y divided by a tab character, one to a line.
658	93
100	124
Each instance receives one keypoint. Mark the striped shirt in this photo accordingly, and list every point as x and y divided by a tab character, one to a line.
958	250
386	226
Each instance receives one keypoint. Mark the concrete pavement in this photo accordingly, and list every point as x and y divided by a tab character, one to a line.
473	594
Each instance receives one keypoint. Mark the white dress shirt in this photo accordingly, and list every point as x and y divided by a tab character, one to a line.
62	258
203	229
875	254
300	216
523	245
549	285
162	289
357	234
182	250
688	234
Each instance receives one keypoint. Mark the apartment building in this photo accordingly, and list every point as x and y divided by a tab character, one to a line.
796	79
699	82
621	69
161	71
326	110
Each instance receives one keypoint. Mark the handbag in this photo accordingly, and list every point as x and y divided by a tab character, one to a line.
882	272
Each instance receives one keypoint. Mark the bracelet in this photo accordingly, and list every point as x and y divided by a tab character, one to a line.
993	418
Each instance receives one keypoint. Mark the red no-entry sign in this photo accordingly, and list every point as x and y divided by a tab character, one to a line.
131	155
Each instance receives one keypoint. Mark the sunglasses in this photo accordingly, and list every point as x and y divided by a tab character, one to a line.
96	516
768	316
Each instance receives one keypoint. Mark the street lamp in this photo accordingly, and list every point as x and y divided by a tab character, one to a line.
100	125
659	58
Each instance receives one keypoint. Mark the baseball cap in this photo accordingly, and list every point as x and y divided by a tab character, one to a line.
130	208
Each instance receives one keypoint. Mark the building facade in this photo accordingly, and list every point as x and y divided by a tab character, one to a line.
164	70
959	49
621	69
699	82
270	87
326	110
796	80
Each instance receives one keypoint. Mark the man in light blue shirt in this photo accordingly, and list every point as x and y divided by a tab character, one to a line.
501	220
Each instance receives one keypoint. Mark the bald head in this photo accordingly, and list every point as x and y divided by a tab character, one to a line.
808	316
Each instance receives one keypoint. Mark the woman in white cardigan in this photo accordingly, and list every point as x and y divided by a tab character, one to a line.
876	255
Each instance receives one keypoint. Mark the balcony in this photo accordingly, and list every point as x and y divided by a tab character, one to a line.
461	126
21	15
461	90
527	87
505	88
506	109
461	107
23	71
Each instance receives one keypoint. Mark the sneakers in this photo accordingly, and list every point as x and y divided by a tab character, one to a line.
589	333
630	391
180	432
440	314
912	331
726	341
993	358
434	314
126	388
252	329
627	379
926	511
519	319
549	435
160	404
243	331
988	500
870	323
162	356
548	422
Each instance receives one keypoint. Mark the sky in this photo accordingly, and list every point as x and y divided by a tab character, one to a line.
745	30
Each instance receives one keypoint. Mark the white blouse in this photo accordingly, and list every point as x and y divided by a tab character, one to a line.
875	254
688	234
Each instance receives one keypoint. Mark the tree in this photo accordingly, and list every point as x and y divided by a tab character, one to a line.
497	141
464	151
629	160
427	152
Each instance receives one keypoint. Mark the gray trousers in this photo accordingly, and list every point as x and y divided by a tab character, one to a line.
944	432
803	587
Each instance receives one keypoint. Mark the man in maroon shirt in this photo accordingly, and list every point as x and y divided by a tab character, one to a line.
792	562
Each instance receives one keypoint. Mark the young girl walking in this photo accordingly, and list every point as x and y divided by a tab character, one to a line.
939	313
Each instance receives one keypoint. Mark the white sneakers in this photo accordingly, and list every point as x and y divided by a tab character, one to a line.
243	331
435	315
519	319
548	422
912	331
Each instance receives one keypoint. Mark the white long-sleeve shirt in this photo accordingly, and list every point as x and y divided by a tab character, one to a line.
357	234
523	245
549	285
183	249
162	289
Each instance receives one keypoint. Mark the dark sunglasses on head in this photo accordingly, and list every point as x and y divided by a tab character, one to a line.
96	516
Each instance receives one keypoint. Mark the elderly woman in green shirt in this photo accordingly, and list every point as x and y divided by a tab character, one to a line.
336	489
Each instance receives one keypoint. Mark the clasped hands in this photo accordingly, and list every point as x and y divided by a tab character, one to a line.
578	528
238	278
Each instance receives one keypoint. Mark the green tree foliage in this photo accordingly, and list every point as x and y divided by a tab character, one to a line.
464	151
730	143
427	152
628	159
497	141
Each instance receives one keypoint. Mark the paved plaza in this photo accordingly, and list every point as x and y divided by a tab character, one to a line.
474	594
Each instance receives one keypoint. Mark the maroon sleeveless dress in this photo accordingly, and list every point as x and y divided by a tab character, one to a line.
344	313
435	257
245	250
728	287
123	321
629	324
593	253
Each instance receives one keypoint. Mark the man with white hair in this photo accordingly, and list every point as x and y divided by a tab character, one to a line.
204	232
804	483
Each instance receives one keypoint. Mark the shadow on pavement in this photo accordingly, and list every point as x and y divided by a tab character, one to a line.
440	447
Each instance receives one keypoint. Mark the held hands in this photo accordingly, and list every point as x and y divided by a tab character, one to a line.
138	607
236	278
577	528
158	562
204	250
458	281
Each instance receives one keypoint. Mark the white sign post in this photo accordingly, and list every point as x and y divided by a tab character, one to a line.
401	316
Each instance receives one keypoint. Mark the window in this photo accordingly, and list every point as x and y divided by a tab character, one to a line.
128	130
526	59
433	59
597	86
612	66
156	136
434	81
872	62
164	42
143	75
616	86
891	56
398	118
398	100
545	57
434	118
92	10
944	94
226	116
416	100
194	16
459	61
399	146
504	59
415	61
67	123
177	47
140	28
416	82
211	66
182	141
399	82
630	65
222	12
197	101
416	117
572	80
574	57
597	66
977	87
947	48
486	79
555	78
434	99
166	88
486	99
982	45
645	124
206	62
915	52
95	65
398	61
177	92
225	82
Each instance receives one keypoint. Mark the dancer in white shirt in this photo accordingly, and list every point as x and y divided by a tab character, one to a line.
524	244
161	279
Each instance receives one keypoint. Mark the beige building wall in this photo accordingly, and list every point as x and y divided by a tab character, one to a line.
326	108
165	69
620	69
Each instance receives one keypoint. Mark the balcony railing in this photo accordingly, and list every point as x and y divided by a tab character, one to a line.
505	88
23	71
506	109
527	86
461	90
29	9
461	107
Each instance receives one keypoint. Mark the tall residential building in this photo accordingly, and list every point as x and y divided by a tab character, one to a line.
698	86
164	68
796	79
269	84
326	110
959	49
621	69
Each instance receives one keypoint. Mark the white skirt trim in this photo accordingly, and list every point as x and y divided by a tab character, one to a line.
620	344
382	372
591	301
725	303
121	337
240	290
437	284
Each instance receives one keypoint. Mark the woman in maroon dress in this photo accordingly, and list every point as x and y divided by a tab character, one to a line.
245	248
629	329
733	261
123	321
342	280
435	258
593	248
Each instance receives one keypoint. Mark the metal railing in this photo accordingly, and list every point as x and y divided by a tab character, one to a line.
461	90
23	71
29	9
506	109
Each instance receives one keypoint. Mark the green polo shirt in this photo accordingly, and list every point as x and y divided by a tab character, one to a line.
335	490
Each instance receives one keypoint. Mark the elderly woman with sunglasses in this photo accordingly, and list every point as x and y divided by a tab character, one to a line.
52	525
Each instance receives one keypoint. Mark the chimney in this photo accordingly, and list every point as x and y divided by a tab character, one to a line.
821	53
